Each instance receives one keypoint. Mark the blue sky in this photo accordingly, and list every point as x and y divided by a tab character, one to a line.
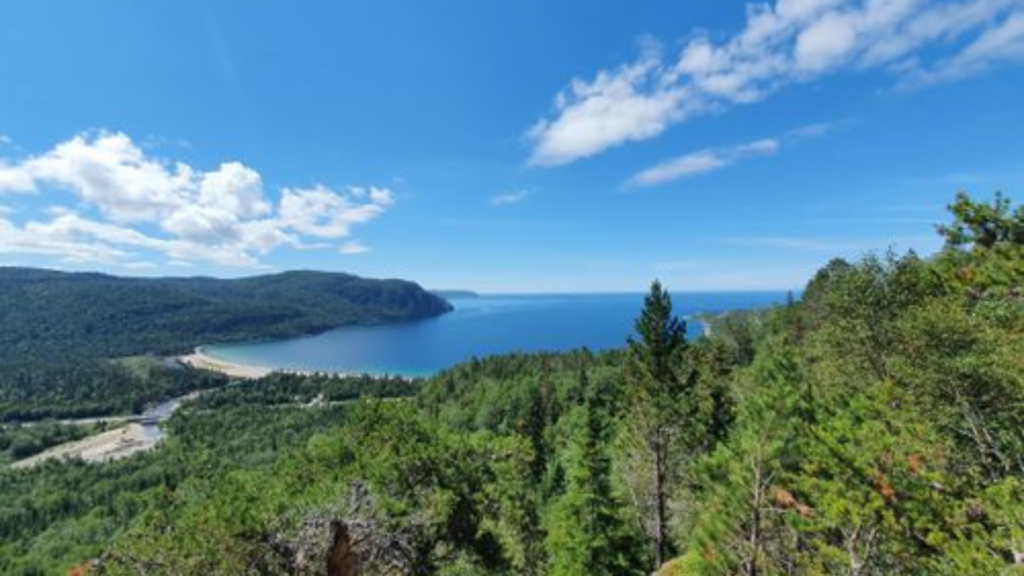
500	146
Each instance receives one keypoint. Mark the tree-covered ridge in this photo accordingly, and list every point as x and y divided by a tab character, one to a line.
60	514
53	314
870	428
41	388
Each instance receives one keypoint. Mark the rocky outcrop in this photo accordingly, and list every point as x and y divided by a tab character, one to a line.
349	542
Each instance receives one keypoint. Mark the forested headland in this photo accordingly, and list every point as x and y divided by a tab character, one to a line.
872	427
63	333
53	314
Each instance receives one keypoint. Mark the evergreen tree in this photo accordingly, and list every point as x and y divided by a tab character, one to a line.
586	533
741	524
656	392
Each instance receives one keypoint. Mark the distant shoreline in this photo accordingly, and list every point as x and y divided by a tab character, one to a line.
202	361
197	359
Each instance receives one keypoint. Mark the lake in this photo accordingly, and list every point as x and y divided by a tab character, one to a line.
480	326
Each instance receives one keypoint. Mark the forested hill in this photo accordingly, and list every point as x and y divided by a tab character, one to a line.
871	427
45	313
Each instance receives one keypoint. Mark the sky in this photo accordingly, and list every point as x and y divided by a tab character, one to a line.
513	146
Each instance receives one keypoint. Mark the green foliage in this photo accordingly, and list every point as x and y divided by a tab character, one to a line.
984	246
983	226
221	476
21	441
586	530
871	428
661	337
733	528
36	389
466	496
56	315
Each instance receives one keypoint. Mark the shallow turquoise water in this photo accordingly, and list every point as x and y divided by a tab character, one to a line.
479	327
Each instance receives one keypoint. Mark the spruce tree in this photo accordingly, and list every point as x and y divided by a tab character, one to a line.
656	392
586	533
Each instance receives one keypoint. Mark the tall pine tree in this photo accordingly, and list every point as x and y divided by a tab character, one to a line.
656	392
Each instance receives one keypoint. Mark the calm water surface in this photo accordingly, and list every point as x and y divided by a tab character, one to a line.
479	327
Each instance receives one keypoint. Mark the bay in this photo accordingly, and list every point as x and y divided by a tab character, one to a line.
478	327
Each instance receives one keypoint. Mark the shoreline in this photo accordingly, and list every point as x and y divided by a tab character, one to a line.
197	359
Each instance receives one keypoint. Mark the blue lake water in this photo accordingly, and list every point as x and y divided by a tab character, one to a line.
479	327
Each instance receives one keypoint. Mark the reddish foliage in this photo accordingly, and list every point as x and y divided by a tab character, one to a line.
914	461
884	488
784	499
804	510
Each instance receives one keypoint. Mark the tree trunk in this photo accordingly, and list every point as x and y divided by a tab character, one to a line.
660	543
755	527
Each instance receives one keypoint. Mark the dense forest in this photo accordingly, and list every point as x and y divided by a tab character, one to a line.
64	334
872	427
40	389
49	314
59	514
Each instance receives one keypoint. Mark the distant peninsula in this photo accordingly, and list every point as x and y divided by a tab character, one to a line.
59	314
455	294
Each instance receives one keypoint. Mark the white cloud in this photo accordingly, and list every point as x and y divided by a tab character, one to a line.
321	212
919	41
352	248
234	189
13	179
617	107
825	43
222	216
684	166
1000	45
507	198
711	159
139	265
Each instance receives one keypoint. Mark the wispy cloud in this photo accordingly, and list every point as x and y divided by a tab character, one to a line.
796	243
506	198
221	216
716	275
702	161
352	248
833	246
919	42
711	159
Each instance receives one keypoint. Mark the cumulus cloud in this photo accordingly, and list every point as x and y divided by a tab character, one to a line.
223	216
322	212
507	198
919	41
711	159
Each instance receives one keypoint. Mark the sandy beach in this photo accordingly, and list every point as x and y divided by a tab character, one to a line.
199	360
104	447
